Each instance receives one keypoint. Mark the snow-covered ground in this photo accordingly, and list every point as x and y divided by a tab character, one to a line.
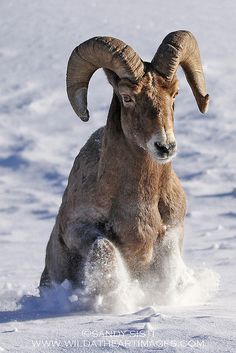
40	137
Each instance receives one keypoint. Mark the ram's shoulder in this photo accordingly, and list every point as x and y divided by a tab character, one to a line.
91	150
84	170
95	140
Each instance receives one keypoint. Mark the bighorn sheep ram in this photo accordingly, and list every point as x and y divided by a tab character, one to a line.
122	192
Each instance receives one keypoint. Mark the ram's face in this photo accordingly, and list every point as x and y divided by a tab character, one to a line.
147	114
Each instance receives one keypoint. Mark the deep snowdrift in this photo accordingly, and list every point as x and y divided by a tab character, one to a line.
40	137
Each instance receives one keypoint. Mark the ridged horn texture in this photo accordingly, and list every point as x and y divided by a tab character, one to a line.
95	53
181	48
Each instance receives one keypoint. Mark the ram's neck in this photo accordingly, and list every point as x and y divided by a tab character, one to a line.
126	171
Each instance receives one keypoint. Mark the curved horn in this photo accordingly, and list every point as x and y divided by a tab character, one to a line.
181	48
95	53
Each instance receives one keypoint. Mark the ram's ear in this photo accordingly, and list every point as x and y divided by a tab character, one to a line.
112	77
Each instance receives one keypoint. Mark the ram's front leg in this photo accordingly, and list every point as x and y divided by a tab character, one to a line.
66	253
83	255
79	237
101	271
100	263
167	271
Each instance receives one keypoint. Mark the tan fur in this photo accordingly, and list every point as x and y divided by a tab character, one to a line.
117	189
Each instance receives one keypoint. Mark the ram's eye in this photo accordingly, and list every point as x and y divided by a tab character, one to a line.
126	98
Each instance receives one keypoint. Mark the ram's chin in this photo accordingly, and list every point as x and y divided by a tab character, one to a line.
161	160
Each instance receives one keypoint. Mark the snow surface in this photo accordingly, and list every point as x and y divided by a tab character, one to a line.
40	137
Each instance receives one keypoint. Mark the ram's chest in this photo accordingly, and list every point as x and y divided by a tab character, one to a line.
135	230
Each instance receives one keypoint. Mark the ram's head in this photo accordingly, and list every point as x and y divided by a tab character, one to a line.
146	91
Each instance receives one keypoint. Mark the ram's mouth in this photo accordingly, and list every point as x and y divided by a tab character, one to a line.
164	159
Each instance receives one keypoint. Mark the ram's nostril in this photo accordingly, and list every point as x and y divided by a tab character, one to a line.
161	148
165	148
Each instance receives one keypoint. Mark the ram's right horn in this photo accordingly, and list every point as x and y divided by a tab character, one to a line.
95	53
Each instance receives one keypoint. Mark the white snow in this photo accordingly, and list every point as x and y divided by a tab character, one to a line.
40	137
